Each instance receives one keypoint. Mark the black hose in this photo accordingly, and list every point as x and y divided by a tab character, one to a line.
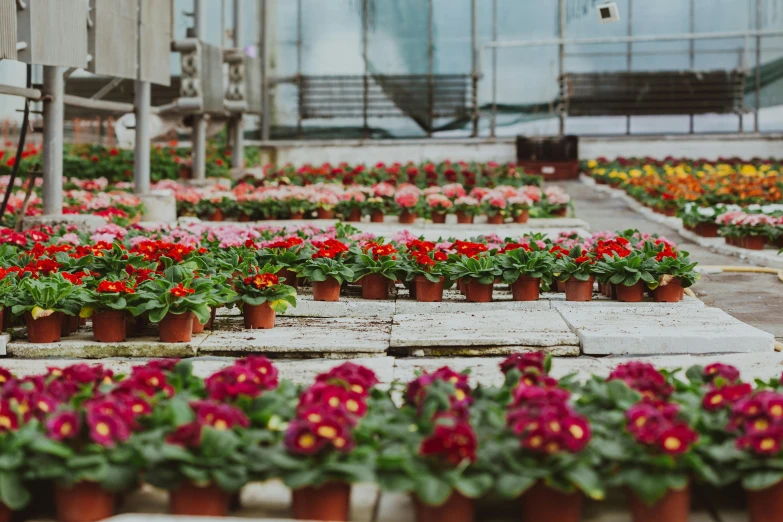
20	148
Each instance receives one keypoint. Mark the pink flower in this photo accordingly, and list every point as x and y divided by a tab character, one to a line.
495	199
63	425
383	190
438	201
453	190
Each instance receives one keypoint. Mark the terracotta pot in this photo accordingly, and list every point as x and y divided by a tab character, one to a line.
671	212
457	508
753	242
673	507
630	294
476	292
243	217
3	319
578	291
332	502
376	216
217	215
411	286
290	277
44	329
5	513
75	322
765	505
322	213
407	218
439	217
175	328
355	216
198	327
209	325
731	240
427	291
526	289
375	287
522	217
707	229
497	219
561	212
464	219
108	326
189	499
328	290
671	293
84	502
560	286
184	172
295	215
544	503
258	317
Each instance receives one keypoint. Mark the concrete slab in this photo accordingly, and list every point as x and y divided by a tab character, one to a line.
648	330
4	340
345	307
496	332
81	345
558	302
407	306
302	338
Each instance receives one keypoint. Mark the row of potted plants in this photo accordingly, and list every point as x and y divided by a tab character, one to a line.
544	442
245	202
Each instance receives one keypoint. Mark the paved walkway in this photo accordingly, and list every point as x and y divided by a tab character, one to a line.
756	299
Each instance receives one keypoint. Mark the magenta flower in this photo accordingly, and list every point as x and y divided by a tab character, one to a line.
63	425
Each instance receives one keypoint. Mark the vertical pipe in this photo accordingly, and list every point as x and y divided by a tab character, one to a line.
365	59
141	158
430	67
629	57
475	74
262	49
299	43
561	54
199	19
199	136
236	125
493	121
53	119
692	47
758	68
222	24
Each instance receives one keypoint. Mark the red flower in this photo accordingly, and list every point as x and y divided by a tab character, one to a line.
642	377
187	435
107	430
261	281
63	425
110	287
113	152
9	419
726	371
357	378
524	362
302	439
677	439
454	443
181	291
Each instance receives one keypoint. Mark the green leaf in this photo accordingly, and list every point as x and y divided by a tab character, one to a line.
585	478
230	478
432	490
513	486
12	491
474	486
763	479
43	445
303	478
119	478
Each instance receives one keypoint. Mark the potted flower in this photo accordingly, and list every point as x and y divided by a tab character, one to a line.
350	206
327	270
495	206
466	208
428	269
577	271
439	206
699	219
673	271
519	208
286	253
376	207
107	304
629	272
408	200
173	306
375	266
8	282
262	295
43	301
218	295
14	437
297	206
478	275
525	268
325	202
556	201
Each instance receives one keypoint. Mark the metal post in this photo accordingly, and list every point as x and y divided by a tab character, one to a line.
561	54
141	158
629	57
758	68
262	49
199	136
365	59
236	125
430	67
475	74
299	43
493	120
692	47
53	118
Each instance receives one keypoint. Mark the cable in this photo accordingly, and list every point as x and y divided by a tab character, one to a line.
20	148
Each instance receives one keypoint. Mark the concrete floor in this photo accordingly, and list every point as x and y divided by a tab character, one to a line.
756	299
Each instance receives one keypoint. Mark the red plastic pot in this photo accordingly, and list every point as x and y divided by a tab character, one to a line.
669	293
84	502
673	507
289	276
328	290
560	286
427	291
5	513
176	328
629	294
561	212
44	329
243	217
407	217
753	242
217	215
707	229
464	219
258	317
189	499
375	287
476	292
294	215
457	508
522	217
526	289
3	319
496	219
578	291
355	216
376	216
332	502
765	505
198	327
544	503
322	213
439	217
65	326
108	326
